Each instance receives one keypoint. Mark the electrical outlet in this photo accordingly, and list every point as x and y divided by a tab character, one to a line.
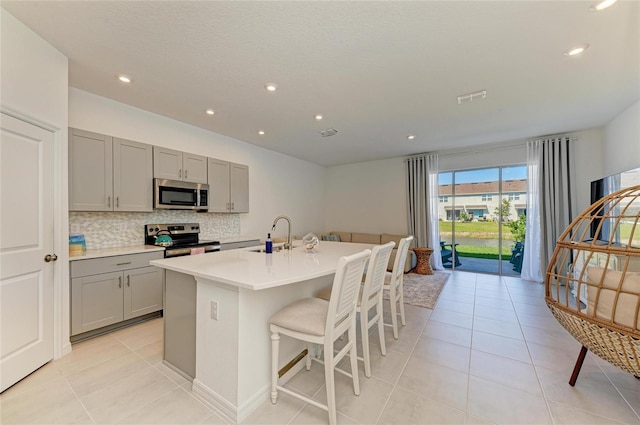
214	309
123	228
75	228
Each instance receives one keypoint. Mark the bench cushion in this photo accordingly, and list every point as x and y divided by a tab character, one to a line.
370	238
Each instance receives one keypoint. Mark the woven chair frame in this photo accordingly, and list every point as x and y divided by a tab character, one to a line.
592	283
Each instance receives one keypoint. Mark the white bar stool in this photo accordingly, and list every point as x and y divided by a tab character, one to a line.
393	283
317	321
370	297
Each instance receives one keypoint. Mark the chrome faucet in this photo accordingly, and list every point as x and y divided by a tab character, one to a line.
288	244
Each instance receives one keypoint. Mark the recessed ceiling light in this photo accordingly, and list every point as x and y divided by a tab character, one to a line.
576	50
125	78
210	112
319	117
271	87
601	5
261	132
411	137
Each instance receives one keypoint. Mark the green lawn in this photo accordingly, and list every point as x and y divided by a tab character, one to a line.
478	230
488	252
489	230
475	229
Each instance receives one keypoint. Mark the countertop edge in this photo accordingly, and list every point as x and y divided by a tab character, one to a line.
112	252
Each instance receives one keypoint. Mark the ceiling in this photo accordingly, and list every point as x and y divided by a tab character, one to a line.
376	71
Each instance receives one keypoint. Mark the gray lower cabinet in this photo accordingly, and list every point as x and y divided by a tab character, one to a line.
105	291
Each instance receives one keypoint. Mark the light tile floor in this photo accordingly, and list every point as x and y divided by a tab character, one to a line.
490	352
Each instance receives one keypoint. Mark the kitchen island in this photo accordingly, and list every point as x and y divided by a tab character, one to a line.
236	293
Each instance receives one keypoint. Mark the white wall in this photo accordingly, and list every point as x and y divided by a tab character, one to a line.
33	83
34	74
621	147
587	164
370	197
278	184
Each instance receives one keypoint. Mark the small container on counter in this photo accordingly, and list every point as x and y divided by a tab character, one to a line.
268	246
77	244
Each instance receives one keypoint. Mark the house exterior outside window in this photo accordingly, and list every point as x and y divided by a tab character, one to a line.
477	199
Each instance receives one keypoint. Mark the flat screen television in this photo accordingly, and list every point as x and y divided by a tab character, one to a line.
605	186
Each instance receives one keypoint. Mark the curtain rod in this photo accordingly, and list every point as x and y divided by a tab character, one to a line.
467	152
520	144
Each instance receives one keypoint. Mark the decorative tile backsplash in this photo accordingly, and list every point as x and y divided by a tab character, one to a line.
114	229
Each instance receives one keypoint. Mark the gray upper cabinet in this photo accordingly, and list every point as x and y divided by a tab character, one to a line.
109	174
239	188
175	165
228	187
90	171
132	176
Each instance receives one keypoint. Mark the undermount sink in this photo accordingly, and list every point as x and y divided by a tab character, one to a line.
275	249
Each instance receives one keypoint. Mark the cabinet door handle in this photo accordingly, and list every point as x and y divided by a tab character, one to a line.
117	202
185	174
123	264
233	206
120	282
128	280
180	172
109	201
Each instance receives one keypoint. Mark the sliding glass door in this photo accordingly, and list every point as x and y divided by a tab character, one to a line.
480	225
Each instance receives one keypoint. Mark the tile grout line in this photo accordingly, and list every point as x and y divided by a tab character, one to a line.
404	367
535	369
473	320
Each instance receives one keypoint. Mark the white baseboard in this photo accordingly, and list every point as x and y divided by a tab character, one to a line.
228	410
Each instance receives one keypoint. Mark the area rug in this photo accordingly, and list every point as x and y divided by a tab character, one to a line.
422	290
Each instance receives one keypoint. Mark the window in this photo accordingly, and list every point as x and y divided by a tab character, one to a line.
481	196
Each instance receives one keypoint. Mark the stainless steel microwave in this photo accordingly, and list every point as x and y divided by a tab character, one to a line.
178	195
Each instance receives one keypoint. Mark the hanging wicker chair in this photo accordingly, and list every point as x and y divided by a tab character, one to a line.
592	284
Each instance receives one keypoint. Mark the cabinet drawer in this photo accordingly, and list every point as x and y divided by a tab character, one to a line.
112	264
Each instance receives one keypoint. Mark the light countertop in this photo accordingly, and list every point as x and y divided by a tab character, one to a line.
110	252
256	270
238	239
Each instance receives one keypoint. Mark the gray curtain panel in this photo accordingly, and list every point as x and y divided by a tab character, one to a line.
422	204
557	193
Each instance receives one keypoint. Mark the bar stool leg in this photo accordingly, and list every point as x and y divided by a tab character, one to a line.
275	348
329	379
394	315
383	347
402	318
364	334
353	355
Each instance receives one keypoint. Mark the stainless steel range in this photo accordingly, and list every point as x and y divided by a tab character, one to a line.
178	239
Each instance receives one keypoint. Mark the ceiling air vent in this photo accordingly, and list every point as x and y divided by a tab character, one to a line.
328	132
466	98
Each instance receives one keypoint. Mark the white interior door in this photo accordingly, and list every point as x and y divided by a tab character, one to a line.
26	237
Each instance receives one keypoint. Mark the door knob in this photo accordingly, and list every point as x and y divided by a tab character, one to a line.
50	257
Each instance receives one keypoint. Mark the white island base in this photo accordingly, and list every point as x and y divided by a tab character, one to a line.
233	351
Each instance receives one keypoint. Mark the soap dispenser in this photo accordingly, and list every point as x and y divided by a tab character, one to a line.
268	245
